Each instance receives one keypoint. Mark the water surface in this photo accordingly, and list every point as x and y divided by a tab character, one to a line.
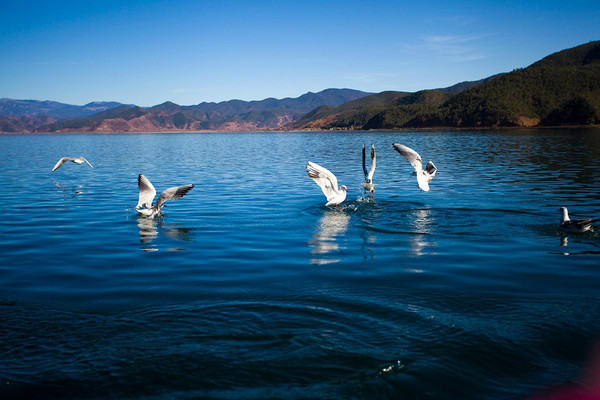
249	287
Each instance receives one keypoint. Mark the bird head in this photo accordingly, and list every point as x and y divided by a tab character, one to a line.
564	214
344	188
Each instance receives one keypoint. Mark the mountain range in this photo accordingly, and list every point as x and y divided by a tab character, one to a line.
560	89
232	115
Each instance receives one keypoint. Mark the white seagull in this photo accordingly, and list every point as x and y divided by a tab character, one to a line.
368	183
328	183
574	225
424	176
147	193
76	160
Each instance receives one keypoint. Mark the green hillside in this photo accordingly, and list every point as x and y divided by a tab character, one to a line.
352	114
561	89
385	110
405	109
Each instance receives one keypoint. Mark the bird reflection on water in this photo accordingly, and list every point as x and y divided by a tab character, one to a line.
68	190
149	229
572	242
332	225
422	224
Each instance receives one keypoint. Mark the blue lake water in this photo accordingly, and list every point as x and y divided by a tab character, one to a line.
249	287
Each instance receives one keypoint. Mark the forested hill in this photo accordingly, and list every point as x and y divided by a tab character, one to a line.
561	89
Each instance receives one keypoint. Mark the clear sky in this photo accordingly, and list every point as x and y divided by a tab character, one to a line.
148	52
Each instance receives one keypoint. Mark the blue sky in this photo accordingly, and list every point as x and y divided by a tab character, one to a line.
148	52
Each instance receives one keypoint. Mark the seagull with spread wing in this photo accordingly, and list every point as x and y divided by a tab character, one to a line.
574	225
424	176
76	160
328	183
147	193
368	183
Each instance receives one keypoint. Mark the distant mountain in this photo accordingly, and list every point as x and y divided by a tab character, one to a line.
23	124
53	109
233	115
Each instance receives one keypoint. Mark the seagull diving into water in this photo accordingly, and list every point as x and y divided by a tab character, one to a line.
424	176
76	160
574	225
147	193
368	183
328	183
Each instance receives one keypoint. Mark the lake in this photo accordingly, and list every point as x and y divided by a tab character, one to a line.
249	287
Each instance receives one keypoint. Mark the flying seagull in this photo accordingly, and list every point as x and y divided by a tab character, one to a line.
147	193
574	225
76	160
424	176
328	183
368	183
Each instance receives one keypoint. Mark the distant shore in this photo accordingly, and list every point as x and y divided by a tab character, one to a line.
446	128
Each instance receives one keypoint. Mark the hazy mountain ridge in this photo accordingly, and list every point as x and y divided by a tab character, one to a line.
23	124
53	109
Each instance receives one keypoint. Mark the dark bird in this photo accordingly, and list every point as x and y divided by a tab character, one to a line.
574	225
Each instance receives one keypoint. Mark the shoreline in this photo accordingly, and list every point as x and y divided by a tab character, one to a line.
453	128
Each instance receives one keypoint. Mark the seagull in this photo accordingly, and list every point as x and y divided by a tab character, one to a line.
147	193
76	160
574	225
424	176
368	183
328	183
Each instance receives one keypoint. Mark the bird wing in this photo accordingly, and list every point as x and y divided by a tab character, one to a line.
431	168
373	164
324	178
147	192
412	156
580	223
364	164
423	181
173	193
88	163
61	162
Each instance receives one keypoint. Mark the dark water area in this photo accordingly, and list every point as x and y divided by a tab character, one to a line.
249	287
